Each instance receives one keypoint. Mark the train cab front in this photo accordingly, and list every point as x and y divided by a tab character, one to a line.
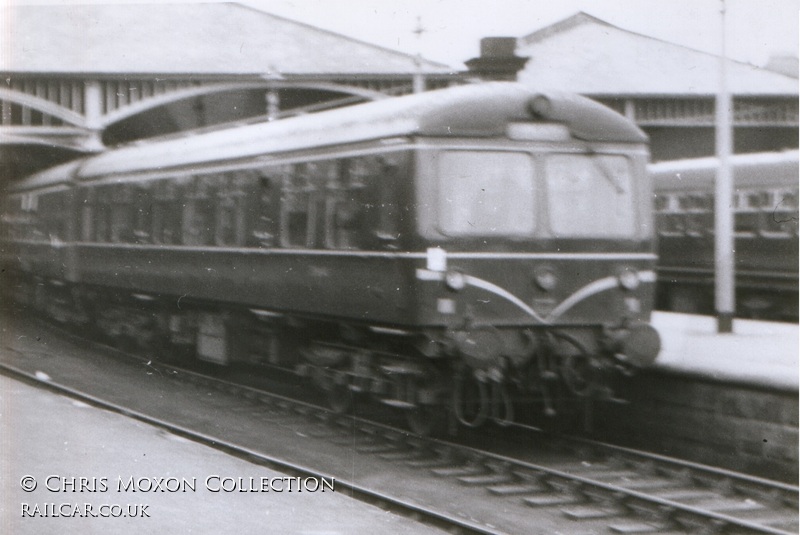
520	326
540	256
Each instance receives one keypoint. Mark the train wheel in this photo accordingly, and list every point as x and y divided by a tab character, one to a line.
470	401
502	405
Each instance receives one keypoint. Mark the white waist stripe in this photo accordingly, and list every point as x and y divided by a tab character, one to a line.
593	288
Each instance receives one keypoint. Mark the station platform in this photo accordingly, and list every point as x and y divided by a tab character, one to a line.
759	353
78	454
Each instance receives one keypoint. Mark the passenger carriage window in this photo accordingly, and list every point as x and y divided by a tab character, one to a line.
9	219
318	175
661	203
24	219
24	225
786	200
86	197
121	214
298	208
780	218
226	225
229	224
363	210
669	220
748	212
166	213
31	226
696	213
486	193
102	213
590	195
198	215
383	205
143	213
263	196
31	229
345	203
759	199
52	212
388	228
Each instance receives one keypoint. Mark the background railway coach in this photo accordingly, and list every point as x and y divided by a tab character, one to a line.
459	248
765	219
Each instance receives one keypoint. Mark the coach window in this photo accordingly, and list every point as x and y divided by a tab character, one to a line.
51	207
321	175
388	229
748	211
86	199
378	177
344	204
142	216
298	208
780	215
102	213
263	196
668	219
21	220
166	213
28	204
229	217
10	219
197	212
16	219
698	215
121	217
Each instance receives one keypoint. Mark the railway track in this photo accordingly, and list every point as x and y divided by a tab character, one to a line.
371	496
576	484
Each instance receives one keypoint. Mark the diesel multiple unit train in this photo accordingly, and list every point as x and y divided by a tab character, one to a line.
765	226
453	251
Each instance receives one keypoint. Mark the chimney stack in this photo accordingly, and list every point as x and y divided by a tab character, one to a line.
497	60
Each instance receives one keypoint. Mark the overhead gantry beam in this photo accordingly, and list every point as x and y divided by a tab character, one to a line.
77	116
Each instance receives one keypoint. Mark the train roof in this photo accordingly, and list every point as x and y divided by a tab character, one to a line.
757	169
481	110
